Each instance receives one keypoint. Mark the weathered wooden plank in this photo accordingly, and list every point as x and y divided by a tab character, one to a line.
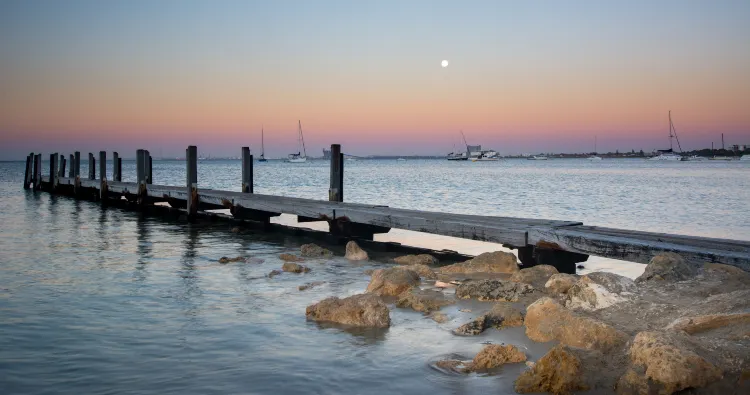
336	190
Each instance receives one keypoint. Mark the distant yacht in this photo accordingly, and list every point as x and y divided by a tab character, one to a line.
537	157
669	154
694	158
594	157
486	156
301	155
262	148
457	155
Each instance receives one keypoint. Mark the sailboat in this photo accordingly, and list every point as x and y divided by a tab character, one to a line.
669	154
594	157
262	148
457	155
301	155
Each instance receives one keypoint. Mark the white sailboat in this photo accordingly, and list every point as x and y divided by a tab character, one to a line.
594	156
262	148
669	154
301	155
458	155
537	157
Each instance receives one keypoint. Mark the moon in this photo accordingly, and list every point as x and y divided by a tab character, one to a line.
444	63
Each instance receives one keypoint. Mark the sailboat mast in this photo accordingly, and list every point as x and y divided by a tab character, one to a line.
594	145
670	130
302	138
262	143
673	129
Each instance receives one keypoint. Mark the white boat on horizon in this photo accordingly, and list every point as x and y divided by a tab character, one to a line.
486	156
594	156
669	154
537	157
694	158
456	155
301	155
262	147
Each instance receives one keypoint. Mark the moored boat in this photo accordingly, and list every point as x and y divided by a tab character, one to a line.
301	155
669	154
537	157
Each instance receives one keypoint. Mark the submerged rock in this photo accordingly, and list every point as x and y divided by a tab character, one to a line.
598	290
355	253
494	355
668	266
315	251
392	281
489	262
310	285
452	365
535	275
290	258
502	315
548	320
669	363
294	268
358	310
559	371
560	283
421	259
228	260
274	273
493	290
425	300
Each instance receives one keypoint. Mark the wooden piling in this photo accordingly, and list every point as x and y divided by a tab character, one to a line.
247	170
77	160
92	167
27	175
191	156
52	171
103	176
116	167
72	171
149	168
37	171
61	168
140	159
336	190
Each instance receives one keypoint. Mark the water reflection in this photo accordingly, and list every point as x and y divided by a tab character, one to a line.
361	336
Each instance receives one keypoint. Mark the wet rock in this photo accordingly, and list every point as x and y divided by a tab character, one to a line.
274	273
548	320
236	229
502	315
438	317
495	355
668	266
423	271
632	383
535	275
452	365
489	262
392	281
315	251
727	270
294	268
599	290
369	272
355	253
560	283
359	310
228	260
559	371
310	285
425	300
290	258
493	290
421	259
735	324
669	363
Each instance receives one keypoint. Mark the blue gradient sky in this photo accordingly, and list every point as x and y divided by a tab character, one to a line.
524	76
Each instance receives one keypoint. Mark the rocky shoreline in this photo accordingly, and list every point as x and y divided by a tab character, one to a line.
678	328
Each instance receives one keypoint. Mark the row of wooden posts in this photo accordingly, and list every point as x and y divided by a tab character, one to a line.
144	171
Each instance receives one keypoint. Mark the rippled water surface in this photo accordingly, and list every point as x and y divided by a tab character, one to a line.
104	301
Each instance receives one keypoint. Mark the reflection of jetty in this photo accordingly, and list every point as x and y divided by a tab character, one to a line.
539	241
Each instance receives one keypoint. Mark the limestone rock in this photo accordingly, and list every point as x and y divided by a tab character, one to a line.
632	383
228	260
493	290
355	253
310	285
489	262
534	275
599	290
358	310
426	300
548	320
452	365
667	266
670	364
438	317
494	355
738	323
423	271
290	258
558	372
236	229
369	272
315	251
294	268
421	259
560	283
392	281
502	315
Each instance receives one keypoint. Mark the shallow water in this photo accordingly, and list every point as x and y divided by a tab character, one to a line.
103	301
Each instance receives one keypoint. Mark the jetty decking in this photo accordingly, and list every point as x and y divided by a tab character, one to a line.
538	241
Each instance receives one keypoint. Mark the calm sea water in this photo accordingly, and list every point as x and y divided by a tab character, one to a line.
104	301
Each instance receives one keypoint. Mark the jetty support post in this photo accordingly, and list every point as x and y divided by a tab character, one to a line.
116	167
72	170
29	171
37	172
247	170
191	156
77	172
149	168
542	254
61	168
92	167
52	171
103	177
336	190
237	210
141	163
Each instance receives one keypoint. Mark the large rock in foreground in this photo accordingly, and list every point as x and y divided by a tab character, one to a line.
423	271
668	266
421	259
735	325
547	320
495	355
392	281
502	315
559	371
535	275
560	283
315	251
670	364
426	300
355	253
489	262
493	290
599	290
358	310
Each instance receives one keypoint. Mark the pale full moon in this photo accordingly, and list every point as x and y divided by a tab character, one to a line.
444	63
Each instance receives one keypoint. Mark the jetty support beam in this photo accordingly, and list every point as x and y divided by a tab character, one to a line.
563	261
191	156
29	171
116	167
92	167
52	171
103	177
37	172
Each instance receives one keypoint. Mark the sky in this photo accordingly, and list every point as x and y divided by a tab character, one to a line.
523	76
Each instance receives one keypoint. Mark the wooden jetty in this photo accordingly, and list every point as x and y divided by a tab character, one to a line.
538	241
